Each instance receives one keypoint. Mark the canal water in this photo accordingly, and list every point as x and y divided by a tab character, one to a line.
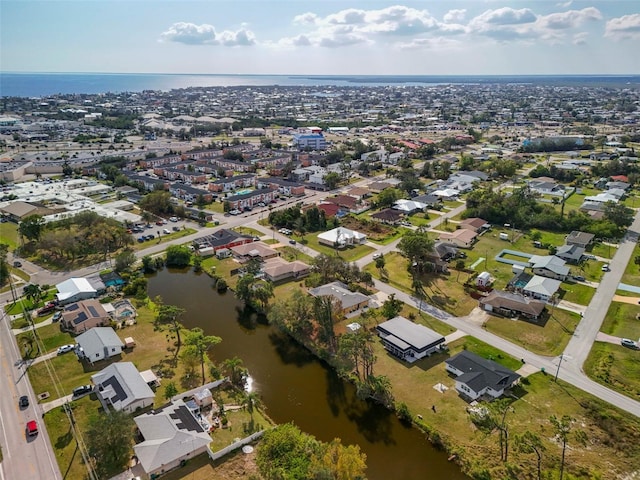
296	387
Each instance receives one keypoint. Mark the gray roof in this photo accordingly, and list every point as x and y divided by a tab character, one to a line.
97	339
339	291
170	433
579	238
549	262
480	373
121	384
404	333
572	252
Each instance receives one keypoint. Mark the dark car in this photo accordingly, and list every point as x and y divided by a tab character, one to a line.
83	390
24	401
17	264
292	242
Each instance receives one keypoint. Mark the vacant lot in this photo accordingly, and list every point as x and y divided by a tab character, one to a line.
613	435
615	366
348	254
622	320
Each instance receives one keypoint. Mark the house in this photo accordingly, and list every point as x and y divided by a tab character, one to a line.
389	216
580	239
430	200
475	224
510	304
546	186
122	387
329	209
277	269
341	237
541	288
445	251
377	187
570	253
248	251
549	266
231	183
409	206
171	435
74	290
477	376
461	238
408	340
348	203
81	316
223	238
97	344
349	301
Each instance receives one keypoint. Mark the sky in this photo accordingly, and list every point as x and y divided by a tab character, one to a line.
324	37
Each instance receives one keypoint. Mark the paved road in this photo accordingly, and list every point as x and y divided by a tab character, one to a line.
24	458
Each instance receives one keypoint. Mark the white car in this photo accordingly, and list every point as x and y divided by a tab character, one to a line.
625	342
166	231
173	219
65	349
605	267
377	255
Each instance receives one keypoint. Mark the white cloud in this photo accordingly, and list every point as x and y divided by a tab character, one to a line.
580	38
565	4
504	16
454	16
623	28
571	18
192	34
305	19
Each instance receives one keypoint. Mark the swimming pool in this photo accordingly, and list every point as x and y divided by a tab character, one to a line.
243	191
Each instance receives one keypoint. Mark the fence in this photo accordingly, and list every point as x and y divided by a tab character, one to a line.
230	448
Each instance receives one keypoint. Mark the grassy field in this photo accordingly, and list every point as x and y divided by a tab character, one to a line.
252	232
612	446
349	254
622	321
576	293
163	238
10	234
548	337
632	272
16	308
51	338
290	254
446	292
616	367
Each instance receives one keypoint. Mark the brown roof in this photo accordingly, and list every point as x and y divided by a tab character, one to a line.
474	222
358	191
343	201
462	234
388	215
254	249
513	301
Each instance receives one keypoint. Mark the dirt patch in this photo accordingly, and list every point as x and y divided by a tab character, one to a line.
373	230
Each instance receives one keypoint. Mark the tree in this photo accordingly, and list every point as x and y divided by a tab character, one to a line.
157	202
529	443
285	453
31	227
67	170
417	247
293	315
178	256
250	401
392	306
324	313
562	428
332	180
619	214
236	371
148	265
34	293
170	314
380	263
197	342
254	292
108	439
170	390
125	259
387	197
636	260
356	352
4	265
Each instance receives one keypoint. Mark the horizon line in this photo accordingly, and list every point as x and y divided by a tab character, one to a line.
333	74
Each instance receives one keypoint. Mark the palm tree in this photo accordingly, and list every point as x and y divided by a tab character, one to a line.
251	400
34	293
235	369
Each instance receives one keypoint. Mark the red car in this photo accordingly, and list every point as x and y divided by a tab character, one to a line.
32	428
49	307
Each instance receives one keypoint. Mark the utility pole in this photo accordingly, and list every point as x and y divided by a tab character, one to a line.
558	370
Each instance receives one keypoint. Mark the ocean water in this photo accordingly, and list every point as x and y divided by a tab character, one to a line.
44	84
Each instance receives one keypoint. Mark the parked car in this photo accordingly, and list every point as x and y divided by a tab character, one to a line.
32	428
173	219
83	390
65	348
625	342
590	257
377	255
235	212
141	239
578	278
56	316
159	223
176	229
166	231
292	242
17	264
48	308
605	267
24	401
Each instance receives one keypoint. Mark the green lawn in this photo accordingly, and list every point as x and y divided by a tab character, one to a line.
9	234
546	338
348	254
252	232
291	254
632	272
615	366
163	237
16	308
576	293
622	321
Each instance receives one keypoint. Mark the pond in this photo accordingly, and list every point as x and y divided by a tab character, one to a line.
296	387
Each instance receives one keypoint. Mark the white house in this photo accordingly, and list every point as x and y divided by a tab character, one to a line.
122	387
341	237
477	376
541	288
74	290
407	340
171	434
97	344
